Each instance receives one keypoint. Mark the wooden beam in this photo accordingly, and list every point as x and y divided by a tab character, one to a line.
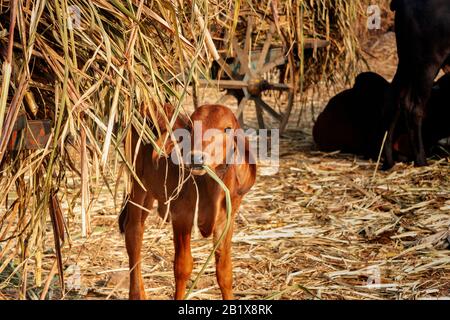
315	43
223	84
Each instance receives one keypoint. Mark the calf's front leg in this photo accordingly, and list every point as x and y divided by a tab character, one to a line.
183	259
224	268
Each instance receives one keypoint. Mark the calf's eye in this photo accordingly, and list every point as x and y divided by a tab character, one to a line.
227	129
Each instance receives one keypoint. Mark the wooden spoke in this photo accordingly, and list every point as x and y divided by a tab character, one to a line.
242	57
288	110
259	115
268	109
273	64
225	67
279	87
223	98
248	36
266	47
241	107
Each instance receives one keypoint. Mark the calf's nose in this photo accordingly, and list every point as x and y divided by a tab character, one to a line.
197	159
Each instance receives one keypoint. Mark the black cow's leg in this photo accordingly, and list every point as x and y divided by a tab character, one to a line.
393	110
414	130
421	158
388	146
417	108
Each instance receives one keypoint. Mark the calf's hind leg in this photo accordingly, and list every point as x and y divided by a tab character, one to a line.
134	231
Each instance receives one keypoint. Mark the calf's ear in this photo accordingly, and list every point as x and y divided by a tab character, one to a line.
165	148
246	168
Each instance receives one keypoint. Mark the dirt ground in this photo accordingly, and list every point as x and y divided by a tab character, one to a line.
326	226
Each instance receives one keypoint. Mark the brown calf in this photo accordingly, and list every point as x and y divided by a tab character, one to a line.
161	178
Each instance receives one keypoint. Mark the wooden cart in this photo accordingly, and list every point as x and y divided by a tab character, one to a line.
259	70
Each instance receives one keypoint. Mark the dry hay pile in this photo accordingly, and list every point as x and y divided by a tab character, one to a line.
336	21
88	67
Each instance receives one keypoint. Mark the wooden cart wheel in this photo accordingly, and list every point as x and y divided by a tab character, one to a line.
269	89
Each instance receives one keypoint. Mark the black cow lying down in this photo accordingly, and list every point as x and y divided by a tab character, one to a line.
353	122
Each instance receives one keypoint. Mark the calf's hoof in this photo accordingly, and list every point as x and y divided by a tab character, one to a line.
137	296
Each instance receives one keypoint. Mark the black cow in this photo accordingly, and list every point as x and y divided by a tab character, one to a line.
422	30
353	121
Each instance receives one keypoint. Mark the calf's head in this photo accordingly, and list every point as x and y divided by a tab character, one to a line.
217	140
